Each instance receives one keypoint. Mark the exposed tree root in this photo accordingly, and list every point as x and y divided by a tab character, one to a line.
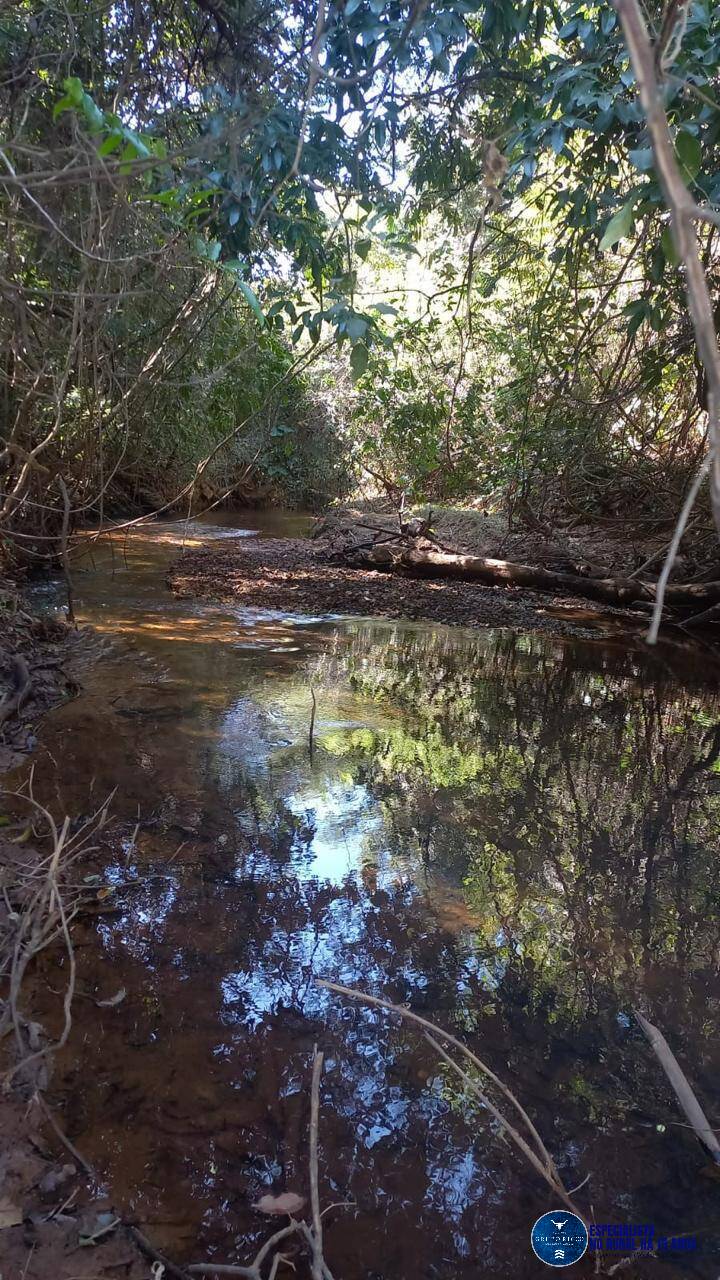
39	912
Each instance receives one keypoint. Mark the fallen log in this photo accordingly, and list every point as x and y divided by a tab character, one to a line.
687	597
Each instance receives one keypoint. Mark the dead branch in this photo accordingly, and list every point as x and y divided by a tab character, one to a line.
683	1092
311	732
318	1269
536	1154
684	212
69	588
313	1235
620	592
42	918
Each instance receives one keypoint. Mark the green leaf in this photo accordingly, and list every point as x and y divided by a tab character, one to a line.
73	87
110	144
358	360
689	154
557	138
127	155
668	247
92	113
356	328
642	158
252	300
362	248
64	104
169	197
619	226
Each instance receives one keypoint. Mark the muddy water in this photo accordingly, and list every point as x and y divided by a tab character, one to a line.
518	836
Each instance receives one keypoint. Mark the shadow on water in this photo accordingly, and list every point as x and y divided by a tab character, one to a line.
516	835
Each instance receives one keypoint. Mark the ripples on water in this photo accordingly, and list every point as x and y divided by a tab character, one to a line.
516	835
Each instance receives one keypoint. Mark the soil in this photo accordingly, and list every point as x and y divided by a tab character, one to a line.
49	648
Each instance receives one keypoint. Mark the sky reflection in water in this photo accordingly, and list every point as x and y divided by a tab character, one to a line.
515	835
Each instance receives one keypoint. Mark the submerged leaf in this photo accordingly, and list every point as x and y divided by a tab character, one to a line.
116	999
10	1214
288	1202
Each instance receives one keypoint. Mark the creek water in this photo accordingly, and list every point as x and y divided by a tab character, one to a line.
515	835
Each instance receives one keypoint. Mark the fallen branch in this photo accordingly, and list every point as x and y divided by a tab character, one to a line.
536	1154
689	1104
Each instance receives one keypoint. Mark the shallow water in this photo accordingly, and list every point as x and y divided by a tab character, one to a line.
516	835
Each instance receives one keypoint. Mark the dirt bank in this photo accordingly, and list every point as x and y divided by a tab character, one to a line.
36	659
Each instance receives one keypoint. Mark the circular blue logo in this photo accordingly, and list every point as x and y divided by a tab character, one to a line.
559	1238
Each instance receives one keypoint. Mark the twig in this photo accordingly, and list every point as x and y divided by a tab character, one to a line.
253	1271
312	1235
150	1251
675	547
517	1138
69	587
311	734
142	1242
657	555
317	1262
707	615
77	1156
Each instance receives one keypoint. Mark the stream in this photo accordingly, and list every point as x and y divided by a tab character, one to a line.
516	835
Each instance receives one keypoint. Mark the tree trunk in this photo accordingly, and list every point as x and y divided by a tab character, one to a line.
614	591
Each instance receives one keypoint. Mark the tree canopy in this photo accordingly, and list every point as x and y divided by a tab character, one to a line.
446	210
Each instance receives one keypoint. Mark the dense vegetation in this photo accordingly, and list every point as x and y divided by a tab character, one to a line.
284	250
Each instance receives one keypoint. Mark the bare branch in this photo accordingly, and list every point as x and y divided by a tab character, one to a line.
683	212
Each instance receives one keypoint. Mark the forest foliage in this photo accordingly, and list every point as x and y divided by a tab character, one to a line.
285	250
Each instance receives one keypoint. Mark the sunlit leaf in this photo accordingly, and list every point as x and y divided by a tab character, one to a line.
619	227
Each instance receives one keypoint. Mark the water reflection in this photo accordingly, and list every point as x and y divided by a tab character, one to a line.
516	835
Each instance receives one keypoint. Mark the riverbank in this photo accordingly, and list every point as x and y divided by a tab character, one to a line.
35	654
546	580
